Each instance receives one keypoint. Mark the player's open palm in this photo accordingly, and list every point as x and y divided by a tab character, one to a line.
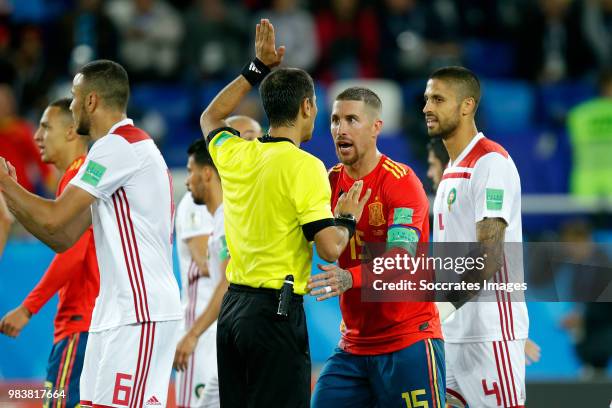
14	321
350	202
265	44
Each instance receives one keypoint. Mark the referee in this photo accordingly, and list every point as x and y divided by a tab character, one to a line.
276	202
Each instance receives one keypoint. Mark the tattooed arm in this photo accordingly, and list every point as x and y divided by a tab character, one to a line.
490	234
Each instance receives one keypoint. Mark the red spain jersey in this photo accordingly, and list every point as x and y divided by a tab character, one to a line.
397	203
73	274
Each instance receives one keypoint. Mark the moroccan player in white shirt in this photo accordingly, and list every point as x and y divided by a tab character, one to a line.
194	224
205	185
125	190
138	310
478	200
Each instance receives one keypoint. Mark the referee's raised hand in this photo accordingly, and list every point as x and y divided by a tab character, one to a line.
265	44
349	202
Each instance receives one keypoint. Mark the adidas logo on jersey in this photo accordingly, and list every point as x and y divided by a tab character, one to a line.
153	401
253	68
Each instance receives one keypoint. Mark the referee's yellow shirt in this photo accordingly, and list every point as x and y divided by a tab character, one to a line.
270	190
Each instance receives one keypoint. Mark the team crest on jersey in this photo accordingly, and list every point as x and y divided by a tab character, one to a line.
195	219
199	390
375	214
451	198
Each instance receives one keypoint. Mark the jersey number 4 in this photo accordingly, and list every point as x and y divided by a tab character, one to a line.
494	390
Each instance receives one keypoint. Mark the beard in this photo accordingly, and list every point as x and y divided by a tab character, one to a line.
445	129
199	195
84	124
348	160
198	200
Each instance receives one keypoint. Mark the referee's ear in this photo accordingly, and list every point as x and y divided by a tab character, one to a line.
307	107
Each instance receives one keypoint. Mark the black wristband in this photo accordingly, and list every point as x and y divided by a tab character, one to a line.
347	222
255	71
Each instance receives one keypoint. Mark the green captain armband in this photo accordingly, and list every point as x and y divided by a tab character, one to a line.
403	237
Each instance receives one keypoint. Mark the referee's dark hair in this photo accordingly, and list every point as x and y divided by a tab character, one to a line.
466	81
436	146
200	154
109	80
282	93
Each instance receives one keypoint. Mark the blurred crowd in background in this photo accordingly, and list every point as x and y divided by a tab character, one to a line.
546	68
540	58
189	40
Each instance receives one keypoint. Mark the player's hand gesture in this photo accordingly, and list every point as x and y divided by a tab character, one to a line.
333	282
7	169
265	45
349	202
184	350
14	321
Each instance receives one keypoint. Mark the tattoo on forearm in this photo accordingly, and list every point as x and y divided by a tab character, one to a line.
491	230
490	234
345	280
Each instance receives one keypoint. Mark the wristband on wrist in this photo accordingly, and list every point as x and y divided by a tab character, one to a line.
347	221
255	71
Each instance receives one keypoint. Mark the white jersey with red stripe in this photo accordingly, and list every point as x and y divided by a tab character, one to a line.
132	222
217	246
488	374
192	220
197	385
483	182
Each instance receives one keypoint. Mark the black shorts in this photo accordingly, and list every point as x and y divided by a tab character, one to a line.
263	361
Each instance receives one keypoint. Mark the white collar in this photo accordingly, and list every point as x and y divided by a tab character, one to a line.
123	122
218	211
467	149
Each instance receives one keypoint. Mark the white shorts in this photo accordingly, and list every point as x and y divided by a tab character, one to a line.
129	366
198	385
487	374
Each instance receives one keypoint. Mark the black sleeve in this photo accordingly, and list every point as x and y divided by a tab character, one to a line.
311	229
214	132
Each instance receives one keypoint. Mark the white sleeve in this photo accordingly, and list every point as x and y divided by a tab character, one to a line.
495	184
108	166
192	220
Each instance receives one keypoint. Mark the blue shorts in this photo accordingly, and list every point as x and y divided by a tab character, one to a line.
411	377
64	371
